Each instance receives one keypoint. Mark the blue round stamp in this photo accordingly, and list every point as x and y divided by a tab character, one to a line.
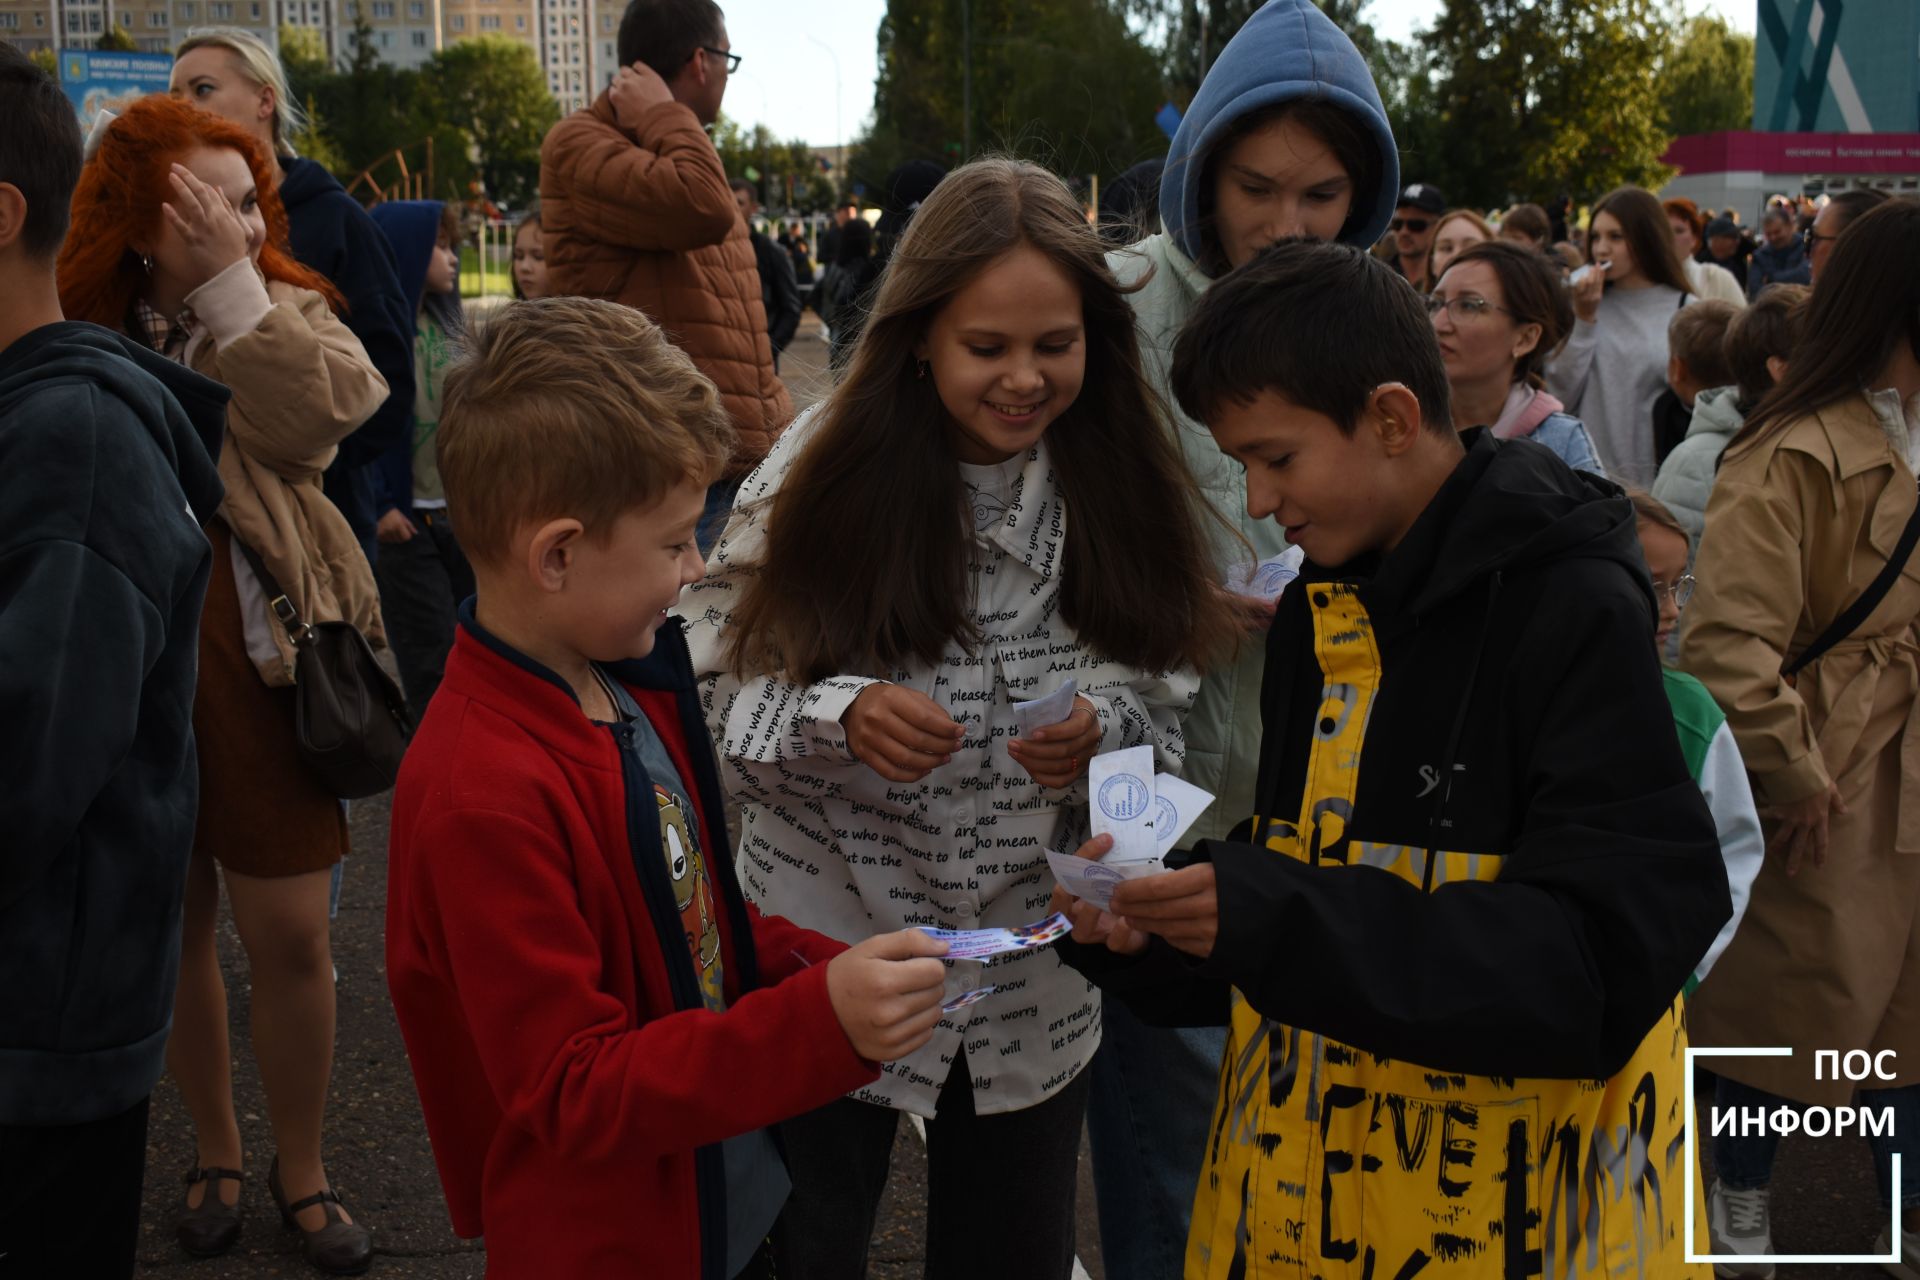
1165	816
1095	871
1124	797
1272	577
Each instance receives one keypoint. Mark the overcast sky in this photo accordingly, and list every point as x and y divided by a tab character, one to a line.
788	80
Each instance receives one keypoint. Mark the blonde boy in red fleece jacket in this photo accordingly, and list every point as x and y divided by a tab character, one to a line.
601	1028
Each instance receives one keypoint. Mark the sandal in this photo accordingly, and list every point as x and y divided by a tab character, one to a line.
339	1248
210	1228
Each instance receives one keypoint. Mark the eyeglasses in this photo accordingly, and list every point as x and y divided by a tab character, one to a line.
1680	589
1814	237
1471	305
732	59
1415	225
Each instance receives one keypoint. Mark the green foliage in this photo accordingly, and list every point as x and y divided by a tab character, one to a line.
491	93
1066	83
781	165
117	39
1707	82
47	60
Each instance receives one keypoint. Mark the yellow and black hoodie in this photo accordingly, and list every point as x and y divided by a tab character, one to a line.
1452	940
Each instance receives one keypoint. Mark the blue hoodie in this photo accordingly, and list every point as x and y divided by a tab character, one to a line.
1286	50
412	227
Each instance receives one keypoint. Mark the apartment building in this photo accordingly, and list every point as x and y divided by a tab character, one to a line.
572	39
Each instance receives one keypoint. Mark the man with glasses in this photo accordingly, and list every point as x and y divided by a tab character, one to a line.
636	208
1415	218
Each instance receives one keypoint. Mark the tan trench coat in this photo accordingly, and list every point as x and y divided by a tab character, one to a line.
1830	959
301	383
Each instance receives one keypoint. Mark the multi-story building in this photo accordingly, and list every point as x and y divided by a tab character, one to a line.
572	39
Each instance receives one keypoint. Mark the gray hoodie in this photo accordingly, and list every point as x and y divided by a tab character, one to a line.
1685	481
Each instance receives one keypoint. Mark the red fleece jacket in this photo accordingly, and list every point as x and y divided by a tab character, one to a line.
574	1086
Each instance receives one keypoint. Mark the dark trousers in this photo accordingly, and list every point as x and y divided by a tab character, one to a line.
70	1197
350	489
422	582
1000	1188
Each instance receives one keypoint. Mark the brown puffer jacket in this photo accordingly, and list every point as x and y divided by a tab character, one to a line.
646	218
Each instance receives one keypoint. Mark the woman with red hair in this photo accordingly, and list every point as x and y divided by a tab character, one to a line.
178	239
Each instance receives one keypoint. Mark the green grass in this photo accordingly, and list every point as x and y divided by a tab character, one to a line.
498	282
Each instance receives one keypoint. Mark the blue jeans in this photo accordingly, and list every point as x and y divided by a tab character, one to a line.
1745	1161
713	522
1147	1120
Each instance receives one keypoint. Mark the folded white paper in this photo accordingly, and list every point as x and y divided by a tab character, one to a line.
1176	803
1267	579
1094	882
1038	713
1120	799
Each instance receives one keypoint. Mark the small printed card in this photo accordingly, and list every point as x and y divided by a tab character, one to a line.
1268	579
978	944
1094	882
966	998
1120	798
1041	712
1176	804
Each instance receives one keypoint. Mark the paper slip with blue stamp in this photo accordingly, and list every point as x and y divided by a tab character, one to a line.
1120	798
1038	713
1267	579
1176	803
978	944
1094	881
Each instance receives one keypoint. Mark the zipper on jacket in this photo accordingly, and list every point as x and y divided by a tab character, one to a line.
1445	792
709	1162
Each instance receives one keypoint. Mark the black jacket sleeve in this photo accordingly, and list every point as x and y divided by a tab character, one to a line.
380	316
1559	967
783	299
1161	986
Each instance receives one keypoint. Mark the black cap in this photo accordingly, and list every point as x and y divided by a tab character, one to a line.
1722	226
1423	196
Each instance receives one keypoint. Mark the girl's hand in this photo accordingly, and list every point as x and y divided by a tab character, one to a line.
1586	293
900	734
1058	753
394	527
212	235
1803	828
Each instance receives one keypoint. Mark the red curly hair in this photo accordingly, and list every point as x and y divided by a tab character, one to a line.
118	199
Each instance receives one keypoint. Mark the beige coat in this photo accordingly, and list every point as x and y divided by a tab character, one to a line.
646	218
1796	529
301	383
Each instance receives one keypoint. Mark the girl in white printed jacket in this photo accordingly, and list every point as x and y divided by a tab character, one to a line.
989	504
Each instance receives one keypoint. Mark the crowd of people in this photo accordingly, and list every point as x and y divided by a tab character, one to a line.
1586	730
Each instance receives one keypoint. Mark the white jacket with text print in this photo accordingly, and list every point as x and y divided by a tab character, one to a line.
833	846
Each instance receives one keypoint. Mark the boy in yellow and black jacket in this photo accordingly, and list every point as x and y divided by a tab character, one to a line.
1450	944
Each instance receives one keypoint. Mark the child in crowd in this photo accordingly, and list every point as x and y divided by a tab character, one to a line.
1461	908
106	470
1696	362
422	572
529	258
1706	742
601	1029
988	505
1758	343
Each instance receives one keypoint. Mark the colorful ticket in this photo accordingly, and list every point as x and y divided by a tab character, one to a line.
978	944
1176	803
966	998
1268	579
1120	798
1041	712
1094	882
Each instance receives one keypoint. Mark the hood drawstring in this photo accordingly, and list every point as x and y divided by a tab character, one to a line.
1444	792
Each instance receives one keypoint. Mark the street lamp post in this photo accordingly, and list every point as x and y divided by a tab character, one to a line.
839	134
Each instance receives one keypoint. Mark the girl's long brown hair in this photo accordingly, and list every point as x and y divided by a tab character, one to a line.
117	203
866	562
1646	227
1866	304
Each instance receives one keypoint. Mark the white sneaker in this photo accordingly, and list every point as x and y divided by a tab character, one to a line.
1908	1268
1737	1223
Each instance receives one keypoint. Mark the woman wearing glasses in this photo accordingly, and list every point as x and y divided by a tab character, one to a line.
1807	512
1497	312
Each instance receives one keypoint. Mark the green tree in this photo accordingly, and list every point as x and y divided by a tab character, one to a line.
493	93
1535	96
117	39
780	166
47	60
1066	83
1706	84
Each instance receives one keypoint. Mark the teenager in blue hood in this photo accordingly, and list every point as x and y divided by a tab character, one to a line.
1287	137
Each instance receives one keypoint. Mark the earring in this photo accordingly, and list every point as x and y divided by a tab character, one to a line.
920	369
146	264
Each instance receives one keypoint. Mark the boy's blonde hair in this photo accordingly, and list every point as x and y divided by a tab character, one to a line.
570	407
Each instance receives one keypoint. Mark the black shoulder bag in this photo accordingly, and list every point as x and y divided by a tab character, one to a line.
350	719
1863	606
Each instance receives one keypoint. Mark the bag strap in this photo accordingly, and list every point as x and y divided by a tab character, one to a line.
1869	600
298	632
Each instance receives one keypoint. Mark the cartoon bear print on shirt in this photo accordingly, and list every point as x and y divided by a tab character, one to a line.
692	893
